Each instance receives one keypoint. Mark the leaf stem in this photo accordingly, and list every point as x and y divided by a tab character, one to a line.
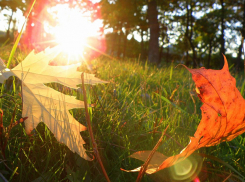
144	166
19	36
91	132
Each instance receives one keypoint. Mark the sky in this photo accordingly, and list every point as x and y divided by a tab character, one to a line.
18	16
21	19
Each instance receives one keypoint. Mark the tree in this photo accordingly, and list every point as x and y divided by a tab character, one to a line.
189	30
239	16
207	28
222	50
122	16
153	55
11	5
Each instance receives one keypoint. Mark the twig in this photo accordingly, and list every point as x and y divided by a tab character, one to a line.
156	125
18	122
243	54
144	166
3	178
227	177
3	161
91	132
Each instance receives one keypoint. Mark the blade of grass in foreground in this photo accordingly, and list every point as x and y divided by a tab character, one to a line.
242	89
12	175
169	102
19	36
15	47
171	71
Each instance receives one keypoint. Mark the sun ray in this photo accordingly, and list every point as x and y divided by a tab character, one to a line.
75	32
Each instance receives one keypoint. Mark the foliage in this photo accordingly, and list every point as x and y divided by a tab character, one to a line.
198	29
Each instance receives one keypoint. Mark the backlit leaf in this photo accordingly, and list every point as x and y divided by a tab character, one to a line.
223	112
44	104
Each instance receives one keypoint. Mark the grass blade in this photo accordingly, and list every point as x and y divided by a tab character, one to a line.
18	38
12	175
242	89
169	102
171	72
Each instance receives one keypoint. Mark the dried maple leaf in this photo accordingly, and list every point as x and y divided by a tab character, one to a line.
223	114
44	104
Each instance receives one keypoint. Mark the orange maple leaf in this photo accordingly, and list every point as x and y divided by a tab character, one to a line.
223	113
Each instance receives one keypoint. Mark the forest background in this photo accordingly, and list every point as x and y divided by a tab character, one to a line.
192	32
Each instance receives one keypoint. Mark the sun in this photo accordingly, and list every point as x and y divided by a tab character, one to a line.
74	29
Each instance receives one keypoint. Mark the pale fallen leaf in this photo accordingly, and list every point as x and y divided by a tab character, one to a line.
44	104
154	163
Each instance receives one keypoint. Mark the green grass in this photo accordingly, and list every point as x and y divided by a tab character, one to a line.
127	109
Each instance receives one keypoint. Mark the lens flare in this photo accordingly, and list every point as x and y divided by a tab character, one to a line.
73	29
196	180
184	168
187	170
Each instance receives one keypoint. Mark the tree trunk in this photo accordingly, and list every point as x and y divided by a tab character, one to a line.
187	63
239	58
189	33
113	44
190	39
222	51
119	40
209	53
142	44
160	53
125	43
153	55
168	50
161	48
10	20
